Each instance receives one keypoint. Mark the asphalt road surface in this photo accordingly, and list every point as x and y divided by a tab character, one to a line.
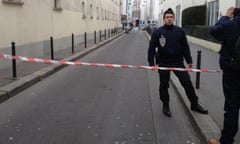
97	105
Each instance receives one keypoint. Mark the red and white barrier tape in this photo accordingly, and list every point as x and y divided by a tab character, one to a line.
48	61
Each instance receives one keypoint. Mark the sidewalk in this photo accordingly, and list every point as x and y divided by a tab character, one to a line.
29	73
210	92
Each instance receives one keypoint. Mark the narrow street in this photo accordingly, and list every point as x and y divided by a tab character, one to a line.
96	105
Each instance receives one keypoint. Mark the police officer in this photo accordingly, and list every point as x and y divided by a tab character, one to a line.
172	48
227	30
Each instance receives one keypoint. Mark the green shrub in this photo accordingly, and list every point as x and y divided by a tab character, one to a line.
198	31
194	15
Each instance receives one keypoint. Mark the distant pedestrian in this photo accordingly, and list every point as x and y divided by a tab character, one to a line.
172	49
226	30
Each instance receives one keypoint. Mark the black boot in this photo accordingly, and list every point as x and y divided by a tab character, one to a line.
199	108
166	110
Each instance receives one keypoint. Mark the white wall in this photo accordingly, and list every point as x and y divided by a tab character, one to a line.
36	20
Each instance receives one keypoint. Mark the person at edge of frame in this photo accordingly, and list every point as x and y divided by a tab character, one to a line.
227	30
172	49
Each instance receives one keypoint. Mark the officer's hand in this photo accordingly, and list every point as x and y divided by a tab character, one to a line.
151	64
154	68
190	65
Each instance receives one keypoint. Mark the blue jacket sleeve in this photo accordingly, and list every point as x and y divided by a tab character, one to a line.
152	49
186	51
217	30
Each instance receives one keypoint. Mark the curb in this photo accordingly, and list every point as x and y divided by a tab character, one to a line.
204	123
22	83
204	43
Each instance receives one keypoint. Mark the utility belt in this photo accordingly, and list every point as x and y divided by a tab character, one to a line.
168	60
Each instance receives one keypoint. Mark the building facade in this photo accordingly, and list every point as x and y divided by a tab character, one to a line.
178	6
124	7
30	23
129	10
215	8
135	10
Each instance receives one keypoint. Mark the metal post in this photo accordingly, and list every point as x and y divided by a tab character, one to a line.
52	51
85	39
95	37
100	39
105	34
198	67
14	67
72	43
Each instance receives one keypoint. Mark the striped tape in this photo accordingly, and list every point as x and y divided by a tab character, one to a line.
49	61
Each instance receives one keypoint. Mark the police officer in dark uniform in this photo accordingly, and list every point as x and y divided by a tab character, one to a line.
227	30
172	49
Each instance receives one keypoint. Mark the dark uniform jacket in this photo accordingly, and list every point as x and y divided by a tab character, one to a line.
171	44
226	30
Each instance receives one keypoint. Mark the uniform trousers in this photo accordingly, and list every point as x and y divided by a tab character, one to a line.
184	79
231	89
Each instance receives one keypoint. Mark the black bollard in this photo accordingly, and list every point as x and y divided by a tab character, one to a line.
105	34
100	39
14	66
198	67
72	43
95	37
52	51
85	40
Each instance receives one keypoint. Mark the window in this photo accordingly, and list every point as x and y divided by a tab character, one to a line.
57	5
110	16
83	10
105	15
91	11
213	8
238	3
102	13
177	16
15	2
97	13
